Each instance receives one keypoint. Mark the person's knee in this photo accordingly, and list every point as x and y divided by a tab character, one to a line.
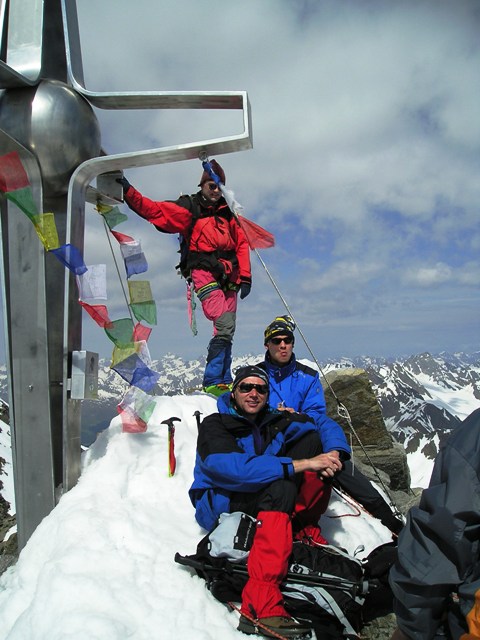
225	326
281	495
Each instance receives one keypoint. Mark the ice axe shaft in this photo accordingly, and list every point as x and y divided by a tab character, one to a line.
197	415
172	462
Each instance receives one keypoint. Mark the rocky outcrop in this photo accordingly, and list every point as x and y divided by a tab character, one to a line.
352	403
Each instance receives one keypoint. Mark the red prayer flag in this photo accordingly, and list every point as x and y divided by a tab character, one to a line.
257	236
140	332
121	237
99	313
12	174
131	423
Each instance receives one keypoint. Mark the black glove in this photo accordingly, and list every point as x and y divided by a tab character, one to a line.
245	288
124	182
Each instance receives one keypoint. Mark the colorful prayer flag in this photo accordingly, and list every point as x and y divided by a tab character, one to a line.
137	373
99	313
114	217
121	332
145	311
46	230
93	283
121	237
122	352
23	198
138	403
257	236
130	422
136	263
12	173
140	332
140	291
71	257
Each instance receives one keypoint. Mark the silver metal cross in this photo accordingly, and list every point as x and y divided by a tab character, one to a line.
47	117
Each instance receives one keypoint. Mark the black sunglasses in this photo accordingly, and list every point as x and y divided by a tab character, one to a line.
246	387
277	341
212	186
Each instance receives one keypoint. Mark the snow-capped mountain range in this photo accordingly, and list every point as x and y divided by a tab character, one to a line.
423	397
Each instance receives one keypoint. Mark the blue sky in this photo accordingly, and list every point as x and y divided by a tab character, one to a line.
365	162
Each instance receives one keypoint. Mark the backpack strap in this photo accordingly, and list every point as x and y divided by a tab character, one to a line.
191	205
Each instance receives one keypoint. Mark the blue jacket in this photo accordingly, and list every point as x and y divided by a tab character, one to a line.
299	387
235	454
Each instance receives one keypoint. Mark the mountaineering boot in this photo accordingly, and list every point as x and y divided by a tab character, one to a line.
267	566
279	625
312	501
217	389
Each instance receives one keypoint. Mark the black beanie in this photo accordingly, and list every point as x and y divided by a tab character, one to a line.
249	371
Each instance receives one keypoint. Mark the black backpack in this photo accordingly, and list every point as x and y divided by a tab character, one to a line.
336	592
187	202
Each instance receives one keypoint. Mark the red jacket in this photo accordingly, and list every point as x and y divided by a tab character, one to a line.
214	232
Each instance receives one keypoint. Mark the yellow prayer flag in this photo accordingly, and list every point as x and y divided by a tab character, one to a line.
122	353
139	291
103	208
46	229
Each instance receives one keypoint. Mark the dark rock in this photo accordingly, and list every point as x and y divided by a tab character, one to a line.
353	389
364	425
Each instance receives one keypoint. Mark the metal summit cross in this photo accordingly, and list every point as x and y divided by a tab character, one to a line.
47	117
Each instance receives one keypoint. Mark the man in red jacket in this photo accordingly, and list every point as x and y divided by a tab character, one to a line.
216	257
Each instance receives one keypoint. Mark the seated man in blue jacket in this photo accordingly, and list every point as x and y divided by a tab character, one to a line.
272	465
295	386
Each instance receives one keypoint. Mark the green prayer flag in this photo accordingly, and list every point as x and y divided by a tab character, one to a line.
145	311
114	217
23	198
120	332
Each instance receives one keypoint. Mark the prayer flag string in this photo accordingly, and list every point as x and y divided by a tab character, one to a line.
130	359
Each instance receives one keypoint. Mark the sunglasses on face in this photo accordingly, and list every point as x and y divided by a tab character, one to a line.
277	341
212	186
246	387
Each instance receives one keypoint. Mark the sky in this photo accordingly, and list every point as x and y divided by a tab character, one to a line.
364	165
101	564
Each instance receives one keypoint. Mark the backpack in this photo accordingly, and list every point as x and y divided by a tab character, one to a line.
184	240
335	591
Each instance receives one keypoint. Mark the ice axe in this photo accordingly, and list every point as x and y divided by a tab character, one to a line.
172	463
